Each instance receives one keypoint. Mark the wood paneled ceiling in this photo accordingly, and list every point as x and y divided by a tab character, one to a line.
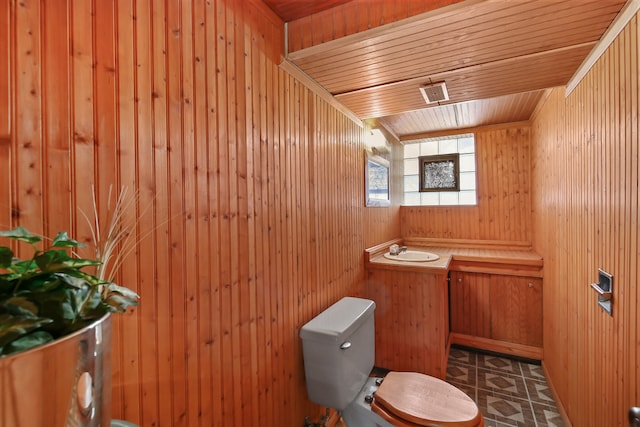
496	57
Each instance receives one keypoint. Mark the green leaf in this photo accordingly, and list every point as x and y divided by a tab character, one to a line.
71	280
22	267
40	283
63	240
56	260
6	257
52	260
92	307
14	327
90	279
119	298
81	262
119	304
27	342
60	304
125	292
20	306
21	234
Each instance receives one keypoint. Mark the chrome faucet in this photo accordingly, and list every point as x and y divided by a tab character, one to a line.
397	250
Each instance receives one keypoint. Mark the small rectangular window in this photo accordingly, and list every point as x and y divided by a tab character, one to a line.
440	171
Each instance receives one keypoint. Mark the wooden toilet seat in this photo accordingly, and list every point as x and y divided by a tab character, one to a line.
411	399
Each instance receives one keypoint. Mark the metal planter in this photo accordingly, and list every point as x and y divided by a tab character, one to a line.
66	383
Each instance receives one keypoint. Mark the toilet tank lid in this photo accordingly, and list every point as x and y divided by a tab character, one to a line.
339	320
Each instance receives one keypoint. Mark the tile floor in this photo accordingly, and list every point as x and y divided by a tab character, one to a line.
509	392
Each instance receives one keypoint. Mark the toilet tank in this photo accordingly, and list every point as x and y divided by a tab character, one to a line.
339	350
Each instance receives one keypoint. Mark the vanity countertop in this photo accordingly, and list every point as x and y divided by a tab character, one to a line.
441	264
462	258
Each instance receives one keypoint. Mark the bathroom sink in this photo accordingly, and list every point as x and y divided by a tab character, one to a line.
413	256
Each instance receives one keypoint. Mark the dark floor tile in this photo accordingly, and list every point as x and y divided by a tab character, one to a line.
539	392
461	374
462	356
547	416
472	392
502	382
489	361
532	371
505	409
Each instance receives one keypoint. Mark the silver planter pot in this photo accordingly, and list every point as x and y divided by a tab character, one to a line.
65	383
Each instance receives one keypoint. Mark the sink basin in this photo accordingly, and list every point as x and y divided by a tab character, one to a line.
413	256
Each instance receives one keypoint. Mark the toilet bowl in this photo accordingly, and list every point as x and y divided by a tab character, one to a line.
411	399
338	349
414	399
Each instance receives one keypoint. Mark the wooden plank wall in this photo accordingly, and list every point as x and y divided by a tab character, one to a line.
353	17
503	211
251	192
585	153
5	117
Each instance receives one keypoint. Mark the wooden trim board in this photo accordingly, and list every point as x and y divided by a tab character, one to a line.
316	88
619	23
468	243
520	350
556	397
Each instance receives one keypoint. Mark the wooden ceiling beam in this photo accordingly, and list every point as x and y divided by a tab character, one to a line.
450	132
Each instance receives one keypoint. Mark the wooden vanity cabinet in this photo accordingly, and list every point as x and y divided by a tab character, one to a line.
411	320
481	294
497	312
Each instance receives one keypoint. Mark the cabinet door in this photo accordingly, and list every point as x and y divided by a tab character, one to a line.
470	304
516	314
410	320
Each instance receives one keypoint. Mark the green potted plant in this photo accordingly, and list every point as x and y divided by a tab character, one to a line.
50	295
55	321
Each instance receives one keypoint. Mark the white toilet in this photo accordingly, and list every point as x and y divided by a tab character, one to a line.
339	351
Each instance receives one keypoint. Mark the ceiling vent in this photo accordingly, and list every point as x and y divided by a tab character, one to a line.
434	93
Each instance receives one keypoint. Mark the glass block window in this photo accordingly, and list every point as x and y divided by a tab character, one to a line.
413	150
